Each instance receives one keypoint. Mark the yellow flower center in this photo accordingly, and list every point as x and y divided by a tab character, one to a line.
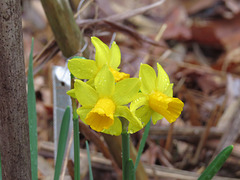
169	107
101	116
118	76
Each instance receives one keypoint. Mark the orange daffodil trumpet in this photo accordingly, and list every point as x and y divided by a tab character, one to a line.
156	97
88	69
102	106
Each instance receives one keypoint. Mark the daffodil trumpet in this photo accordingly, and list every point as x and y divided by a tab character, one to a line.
156	97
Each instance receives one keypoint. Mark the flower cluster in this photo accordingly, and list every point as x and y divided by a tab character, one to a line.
106	94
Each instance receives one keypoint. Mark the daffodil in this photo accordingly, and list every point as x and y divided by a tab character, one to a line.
103	105
156	97
88	69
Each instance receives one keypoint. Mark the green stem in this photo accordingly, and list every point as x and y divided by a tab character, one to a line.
125	154
76	139
125	149
142	144
76	143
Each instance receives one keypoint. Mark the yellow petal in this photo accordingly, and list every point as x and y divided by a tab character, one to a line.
82	112
156	117
101	116
82	68
104	82
71	93
126	90
162	81
169	90
115	129
138	101
118	76
134	123
147	77
169	107
144	114
115	56
85	94
102	55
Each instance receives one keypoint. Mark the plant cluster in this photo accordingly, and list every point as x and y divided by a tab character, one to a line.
108	97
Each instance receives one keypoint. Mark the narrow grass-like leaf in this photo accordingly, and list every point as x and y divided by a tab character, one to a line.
32	118
131	171
216	164
142	144
62	142
89	162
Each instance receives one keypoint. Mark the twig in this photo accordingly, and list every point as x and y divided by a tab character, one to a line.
231	131
169	137
204	137
184	132
157	38
121	16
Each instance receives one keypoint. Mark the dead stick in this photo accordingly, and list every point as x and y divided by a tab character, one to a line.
169	137
204	137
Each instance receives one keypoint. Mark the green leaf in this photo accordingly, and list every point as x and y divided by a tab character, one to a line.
32	117
131	171
89	162
142	144
216	164
62	142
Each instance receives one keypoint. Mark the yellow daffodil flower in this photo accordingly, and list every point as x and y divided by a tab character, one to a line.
102	106
88	69
156	97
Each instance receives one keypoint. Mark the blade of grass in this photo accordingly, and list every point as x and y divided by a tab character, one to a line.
62	142
131	170
89	162
142	144
32	117
216	164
